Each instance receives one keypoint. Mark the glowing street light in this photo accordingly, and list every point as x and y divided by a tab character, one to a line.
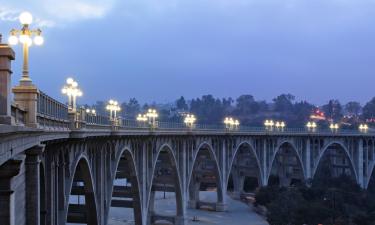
72	91
190	120
311	126
91	112
334	126
152	114
231	123
113	107
363	128
142	118
24	36
269	124
280	125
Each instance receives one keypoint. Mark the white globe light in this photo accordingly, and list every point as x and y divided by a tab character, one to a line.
38	40
13	40
24	38
69	80
26	18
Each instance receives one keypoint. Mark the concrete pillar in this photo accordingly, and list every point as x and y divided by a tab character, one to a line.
264	162
8	170
308	160
26	97
6	55
361	180
32	164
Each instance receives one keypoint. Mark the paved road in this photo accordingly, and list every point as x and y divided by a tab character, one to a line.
238	213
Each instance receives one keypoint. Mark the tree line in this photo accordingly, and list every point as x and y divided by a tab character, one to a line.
251	112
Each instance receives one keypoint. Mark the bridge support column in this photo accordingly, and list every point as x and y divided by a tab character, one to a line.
8	170
6	55
308	160
361	180
32	164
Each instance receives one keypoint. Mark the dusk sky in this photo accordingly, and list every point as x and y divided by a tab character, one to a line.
158	50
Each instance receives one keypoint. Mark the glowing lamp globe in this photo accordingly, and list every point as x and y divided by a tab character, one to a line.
13	40
26	18
38	40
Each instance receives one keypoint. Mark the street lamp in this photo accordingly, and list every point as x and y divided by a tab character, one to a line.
72	91
24	36
91	112
190	120
363	128
231	123
269	124
113	107
334	126
311	126
142	118
152	115
280	125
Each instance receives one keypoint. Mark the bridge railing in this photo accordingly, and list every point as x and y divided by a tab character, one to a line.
51	114
97	121
18	115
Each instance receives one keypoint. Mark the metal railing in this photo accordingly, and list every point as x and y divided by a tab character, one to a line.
51	114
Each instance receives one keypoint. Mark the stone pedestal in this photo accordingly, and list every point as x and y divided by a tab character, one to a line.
6	55
8	170
32	164
26	97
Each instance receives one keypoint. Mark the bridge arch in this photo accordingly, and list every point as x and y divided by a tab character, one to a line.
342	148
204	149
125	196
294	153
42	194
87	213
250	148
371	177
165	159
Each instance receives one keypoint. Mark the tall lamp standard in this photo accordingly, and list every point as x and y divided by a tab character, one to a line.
24	36
152	114
190	120
113	108
72	91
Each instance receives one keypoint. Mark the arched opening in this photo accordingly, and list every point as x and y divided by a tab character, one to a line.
165	204
42	195
205	181
245	173
286	168
82	206
125	203
333	163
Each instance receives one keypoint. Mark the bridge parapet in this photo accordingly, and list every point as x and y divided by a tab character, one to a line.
51	114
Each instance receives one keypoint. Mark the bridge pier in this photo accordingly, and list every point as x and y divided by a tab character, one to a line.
33	185
8	170
6	55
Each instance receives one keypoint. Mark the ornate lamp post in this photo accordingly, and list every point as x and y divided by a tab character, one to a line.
363	128
152	115
311	126
91	112
24	36
269	124
141	118
113	108
190	120
231	124
280	125
334	127
72	91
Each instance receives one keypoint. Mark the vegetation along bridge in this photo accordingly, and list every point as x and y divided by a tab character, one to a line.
51	153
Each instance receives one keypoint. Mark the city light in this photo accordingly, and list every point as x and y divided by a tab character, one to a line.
363	128
231	123
113	107
190	120
72	91
25	37
269	124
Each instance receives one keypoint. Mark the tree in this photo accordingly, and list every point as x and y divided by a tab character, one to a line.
246	104
130	109
181	104
353	108
333	109
284	103
369	109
